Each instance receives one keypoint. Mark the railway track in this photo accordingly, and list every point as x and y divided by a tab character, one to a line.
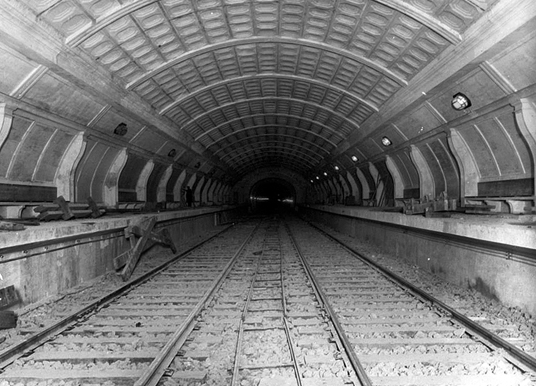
121	338
401	335
266	305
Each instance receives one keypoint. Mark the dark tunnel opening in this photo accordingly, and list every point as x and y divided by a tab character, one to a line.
272	196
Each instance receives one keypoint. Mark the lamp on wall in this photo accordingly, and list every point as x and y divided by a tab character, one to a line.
460	102
386	141
121	129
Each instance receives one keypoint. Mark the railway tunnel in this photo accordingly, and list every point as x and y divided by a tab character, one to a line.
409	125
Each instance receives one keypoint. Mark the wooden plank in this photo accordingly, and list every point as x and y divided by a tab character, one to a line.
64	206
392	342
106	340
135	253
26	193
8	296
377	329
452	380
10	226
8	319
160	237
91	375
390	321
74	355
95	211
444	358
122	259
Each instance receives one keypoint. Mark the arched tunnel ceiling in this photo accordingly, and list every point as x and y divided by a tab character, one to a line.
252	83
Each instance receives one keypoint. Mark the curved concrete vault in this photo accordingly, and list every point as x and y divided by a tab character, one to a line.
134	100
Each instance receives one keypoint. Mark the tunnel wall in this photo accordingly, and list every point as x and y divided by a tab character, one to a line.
49	259
496	259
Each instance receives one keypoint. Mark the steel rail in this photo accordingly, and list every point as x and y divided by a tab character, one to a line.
158	367
14	352
297	370
238	350
516	353
356	364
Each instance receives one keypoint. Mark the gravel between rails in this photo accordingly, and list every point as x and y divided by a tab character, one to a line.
52	309
519	326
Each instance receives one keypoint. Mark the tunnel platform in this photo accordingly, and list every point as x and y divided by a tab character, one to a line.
494	254
44	260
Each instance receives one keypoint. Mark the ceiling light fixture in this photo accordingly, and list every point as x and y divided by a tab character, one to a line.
336	168
460	102
354	158
172	153
325	174
386	141
121	129
317	177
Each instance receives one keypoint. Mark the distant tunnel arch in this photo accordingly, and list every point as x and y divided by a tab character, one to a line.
272	195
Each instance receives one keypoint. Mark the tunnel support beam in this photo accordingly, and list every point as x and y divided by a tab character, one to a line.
426	178
525	112
6	118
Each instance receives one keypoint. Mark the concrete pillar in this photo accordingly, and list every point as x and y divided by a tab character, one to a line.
197	188
161	191
110	192
397	178
426	179
210	191
345	187
378	181
177	189
141	185
354	191
363	180
525	112
469	173
64	178
6	118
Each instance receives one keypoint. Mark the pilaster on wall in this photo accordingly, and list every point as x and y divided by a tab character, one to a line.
426	179
379	183
191	183
110	192
397	178
354	190
141	185
364	183
209	189
177	189
161	191
65	173
525	112
345	187
469	173
6	118
197	188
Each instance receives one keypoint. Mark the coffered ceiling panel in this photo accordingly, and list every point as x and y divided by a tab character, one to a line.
262	82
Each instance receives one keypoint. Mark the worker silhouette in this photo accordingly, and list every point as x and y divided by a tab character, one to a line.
189	196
